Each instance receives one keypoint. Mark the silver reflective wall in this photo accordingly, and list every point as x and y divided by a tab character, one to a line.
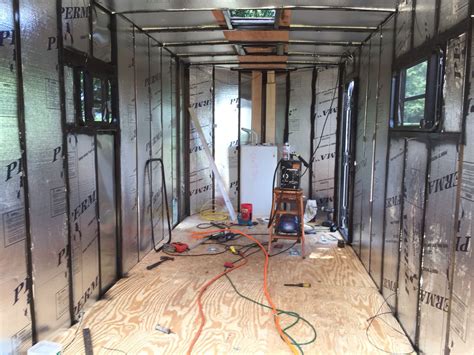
417	204
44	139
299	118
83	221
461	335
128	138
201	101
226	130
325	126
13	276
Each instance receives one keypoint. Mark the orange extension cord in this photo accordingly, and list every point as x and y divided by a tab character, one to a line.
200	235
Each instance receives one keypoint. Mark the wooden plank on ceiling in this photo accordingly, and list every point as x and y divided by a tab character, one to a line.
257	36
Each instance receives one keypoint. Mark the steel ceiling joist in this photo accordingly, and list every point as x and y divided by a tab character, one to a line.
290	54
292	27
289	62
262	43
282	7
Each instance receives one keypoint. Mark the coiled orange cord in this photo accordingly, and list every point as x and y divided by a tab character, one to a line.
200	235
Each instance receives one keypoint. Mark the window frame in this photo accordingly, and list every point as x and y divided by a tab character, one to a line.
432	95
92	68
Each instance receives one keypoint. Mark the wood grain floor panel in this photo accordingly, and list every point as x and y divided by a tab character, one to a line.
339	303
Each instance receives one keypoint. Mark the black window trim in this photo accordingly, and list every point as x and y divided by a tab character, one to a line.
92	67
432	95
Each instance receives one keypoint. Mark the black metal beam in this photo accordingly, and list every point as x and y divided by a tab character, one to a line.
290	62
291	27
282	7
288	54
261	43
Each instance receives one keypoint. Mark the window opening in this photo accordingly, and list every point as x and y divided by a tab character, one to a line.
252	17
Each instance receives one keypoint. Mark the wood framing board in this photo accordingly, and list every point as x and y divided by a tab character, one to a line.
338	304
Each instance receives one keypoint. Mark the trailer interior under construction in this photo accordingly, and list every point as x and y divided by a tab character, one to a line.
236	177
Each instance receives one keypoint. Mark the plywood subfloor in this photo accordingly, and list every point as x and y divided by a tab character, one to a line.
338	304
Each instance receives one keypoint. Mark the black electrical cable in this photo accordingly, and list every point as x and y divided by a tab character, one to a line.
311	160
76	332
147	164
377	315
280	311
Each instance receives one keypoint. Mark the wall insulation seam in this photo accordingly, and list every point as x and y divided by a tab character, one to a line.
312	118
377	281
422	242
337	161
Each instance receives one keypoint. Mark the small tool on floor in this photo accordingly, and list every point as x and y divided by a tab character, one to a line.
228	265
87	337
180	247
163	329
162	260
301	284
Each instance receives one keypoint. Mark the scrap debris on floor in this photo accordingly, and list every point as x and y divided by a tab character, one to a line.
325	303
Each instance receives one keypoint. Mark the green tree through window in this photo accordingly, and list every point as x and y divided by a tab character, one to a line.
253	13
414	96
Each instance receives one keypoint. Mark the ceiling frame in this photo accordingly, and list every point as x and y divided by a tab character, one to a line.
284	7
261	43
292	27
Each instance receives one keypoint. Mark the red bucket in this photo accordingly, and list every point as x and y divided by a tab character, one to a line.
246	212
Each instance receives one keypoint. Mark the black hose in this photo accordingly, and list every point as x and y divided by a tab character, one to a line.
151	202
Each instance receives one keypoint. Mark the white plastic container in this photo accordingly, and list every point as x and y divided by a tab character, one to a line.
45	348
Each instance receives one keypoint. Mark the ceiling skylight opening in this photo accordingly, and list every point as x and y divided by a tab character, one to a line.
252	17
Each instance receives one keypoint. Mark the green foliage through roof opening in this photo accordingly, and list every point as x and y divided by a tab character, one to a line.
253	13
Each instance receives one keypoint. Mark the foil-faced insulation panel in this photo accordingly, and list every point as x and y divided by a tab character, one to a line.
393	220
245	106
325	139
101	35
380	153
281	103
452	12
15	326
453	90
169	121
404	25
47	193
461	335
106	186
75	18
69	94
226	90
366	174
153	172
299	119
412	233
200	97
142	107
424	27
83	221
360	162
437	246
128	143
175	189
